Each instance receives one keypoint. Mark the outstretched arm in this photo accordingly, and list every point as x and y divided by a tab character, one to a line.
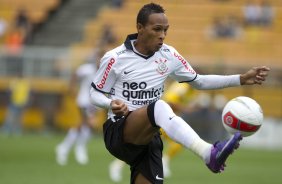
256	75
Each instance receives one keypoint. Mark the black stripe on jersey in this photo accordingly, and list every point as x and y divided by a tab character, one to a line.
190	80
145	57
94	86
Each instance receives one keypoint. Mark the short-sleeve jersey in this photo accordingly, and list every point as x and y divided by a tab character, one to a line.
136	79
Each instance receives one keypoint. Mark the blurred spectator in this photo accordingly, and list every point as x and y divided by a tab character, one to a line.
14	46
251	13
3	29
108	37
14	42
234	26
267	14
258	14
23	23
117	3
19	93
225	27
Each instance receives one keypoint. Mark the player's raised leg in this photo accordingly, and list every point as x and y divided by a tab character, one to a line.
177	129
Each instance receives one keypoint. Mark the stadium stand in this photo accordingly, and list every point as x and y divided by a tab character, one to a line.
38	10
189	21
79	33
46	60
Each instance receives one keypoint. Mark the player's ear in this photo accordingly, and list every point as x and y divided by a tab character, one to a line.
139	27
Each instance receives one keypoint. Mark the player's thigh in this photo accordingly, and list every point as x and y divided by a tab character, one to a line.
140	179
138	128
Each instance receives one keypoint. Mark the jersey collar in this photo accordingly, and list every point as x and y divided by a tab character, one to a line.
128	45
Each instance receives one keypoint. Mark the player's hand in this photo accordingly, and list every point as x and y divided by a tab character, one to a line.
119	108
256	75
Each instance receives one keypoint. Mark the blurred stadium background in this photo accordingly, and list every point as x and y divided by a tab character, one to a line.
59	35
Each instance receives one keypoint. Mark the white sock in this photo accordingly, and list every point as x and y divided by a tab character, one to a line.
70	139
178	130
83	136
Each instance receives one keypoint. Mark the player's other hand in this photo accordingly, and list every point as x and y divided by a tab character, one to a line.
255	75
119	108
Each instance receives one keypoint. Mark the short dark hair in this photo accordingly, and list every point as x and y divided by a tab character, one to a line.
147	10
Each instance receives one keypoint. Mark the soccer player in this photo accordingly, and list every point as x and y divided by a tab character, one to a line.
130	82
79	136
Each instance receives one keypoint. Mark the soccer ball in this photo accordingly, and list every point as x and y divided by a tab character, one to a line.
242	114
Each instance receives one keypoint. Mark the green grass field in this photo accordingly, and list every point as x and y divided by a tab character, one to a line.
30	159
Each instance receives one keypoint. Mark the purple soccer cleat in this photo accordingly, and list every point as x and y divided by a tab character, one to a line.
220	152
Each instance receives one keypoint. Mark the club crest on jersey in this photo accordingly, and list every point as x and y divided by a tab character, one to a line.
162	67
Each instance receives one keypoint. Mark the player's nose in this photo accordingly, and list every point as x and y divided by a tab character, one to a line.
162	35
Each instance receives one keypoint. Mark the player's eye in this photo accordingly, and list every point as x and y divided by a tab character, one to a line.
158	29
165	30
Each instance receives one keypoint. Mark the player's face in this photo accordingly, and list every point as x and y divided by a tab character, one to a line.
151	36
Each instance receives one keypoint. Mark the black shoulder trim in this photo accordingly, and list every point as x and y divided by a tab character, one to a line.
190	80
145	57
94	86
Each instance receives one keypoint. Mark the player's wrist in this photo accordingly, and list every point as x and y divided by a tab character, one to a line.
242	79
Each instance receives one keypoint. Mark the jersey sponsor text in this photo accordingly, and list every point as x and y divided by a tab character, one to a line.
136	93
184	62
106	73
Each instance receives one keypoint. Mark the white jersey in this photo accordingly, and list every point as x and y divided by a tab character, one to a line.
138	80
85	73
